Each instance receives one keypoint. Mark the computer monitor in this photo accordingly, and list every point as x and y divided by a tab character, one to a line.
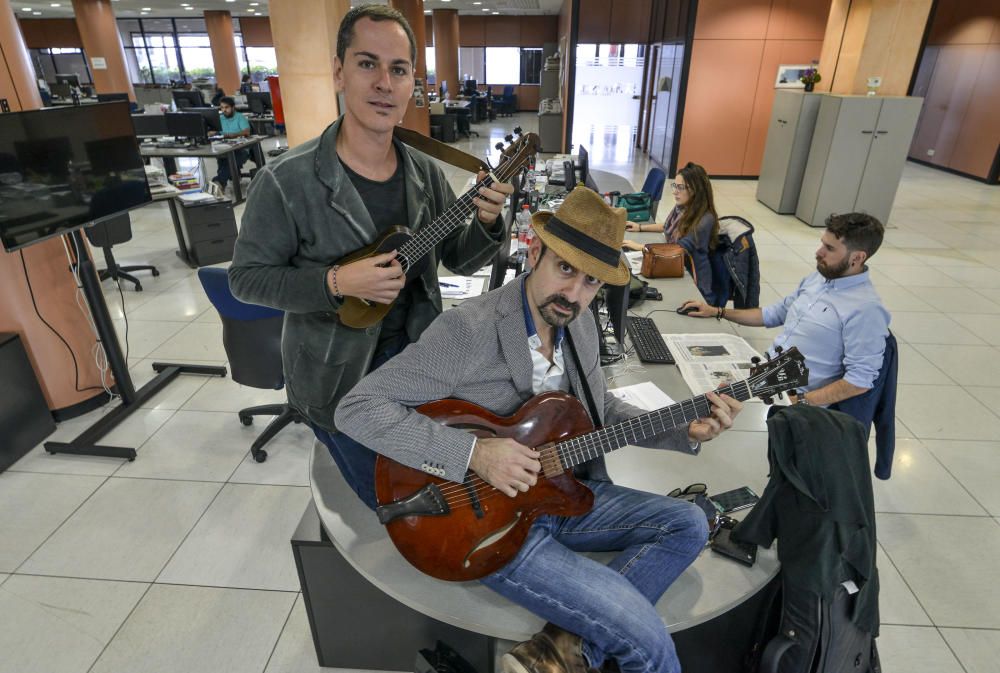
499	271
77	165
61	89
569	175
259	102
615	299
68	78
111	97
150	126
184	98
186	125
444	90
471	87
583	165
211	115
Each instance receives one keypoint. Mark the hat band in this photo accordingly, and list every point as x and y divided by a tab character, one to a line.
583	242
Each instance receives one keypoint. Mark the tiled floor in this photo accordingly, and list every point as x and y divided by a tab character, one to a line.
180	561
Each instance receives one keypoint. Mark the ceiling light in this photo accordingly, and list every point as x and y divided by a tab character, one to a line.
37	13
496	12
190	8
486	9
53	4
145	9
254	4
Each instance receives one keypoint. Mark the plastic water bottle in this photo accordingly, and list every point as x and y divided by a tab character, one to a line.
524	232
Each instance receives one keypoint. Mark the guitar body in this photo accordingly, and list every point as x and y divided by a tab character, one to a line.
359	313
479	536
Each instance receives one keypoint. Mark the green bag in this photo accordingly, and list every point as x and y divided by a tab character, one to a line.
638	206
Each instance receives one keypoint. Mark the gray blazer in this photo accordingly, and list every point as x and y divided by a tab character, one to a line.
476	352
302	215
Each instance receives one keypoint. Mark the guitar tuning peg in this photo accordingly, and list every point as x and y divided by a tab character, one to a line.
768	356
781	395
778	349
518	130
499	146
767	399
509	138
755	360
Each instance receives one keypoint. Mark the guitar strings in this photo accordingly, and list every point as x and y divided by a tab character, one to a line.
578	448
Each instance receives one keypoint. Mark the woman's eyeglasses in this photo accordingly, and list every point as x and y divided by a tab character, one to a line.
677	187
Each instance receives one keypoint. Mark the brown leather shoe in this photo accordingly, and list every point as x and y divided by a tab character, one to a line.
551	650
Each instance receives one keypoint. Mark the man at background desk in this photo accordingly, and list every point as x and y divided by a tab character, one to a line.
234	125
835	317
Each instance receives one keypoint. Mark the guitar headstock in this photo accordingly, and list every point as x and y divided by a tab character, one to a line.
515	155
786	371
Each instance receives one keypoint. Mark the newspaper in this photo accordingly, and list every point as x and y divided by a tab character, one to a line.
460	287
645	395
707	361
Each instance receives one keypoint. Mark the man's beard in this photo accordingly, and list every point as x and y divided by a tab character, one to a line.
558	319
831	272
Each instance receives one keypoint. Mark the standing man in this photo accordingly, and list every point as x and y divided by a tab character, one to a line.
334	195
234	125
835	317
497	351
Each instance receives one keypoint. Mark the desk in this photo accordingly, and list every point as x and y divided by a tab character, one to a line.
216	151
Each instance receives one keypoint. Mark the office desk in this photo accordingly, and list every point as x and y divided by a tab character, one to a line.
217	151
62	102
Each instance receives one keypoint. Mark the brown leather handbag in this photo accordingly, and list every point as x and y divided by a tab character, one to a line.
662	260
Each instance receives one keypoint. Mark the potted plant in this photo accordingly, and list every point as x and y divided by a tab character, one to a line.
810	77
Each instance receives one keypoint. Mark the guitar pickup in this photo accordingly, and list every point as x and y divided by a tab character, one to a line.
428	501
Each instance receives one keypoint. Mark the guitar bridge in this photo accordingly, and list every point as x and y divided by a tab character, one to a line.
428	501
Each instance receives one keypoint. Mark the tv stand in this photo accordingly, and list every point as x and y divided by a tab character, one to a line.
87	443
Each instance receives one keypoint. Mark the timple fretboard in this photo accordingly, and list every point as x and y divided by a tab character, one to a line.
586	447
429	236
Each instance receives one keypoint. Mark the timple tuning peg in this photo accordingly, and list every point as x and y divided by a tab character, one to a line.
509	138
499	146
518	130
755	360
778	349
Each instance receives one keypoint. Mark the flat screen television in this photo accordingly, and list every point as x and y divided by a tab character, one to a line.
65	168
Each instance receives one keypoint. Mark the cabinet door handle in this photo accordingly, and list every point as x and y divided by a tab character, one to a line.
881	132
867	132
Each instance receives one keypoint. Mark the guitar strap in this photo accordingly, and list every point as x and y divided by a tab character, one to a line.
591	407
439	150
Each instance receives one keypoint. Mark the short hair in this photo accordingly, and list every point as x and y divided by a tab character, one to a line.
858	231
228	100
345	34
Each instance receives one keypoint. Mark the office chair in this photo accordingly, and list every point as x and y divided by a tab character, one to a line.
506	103
464	119
112	232
653	186
251	335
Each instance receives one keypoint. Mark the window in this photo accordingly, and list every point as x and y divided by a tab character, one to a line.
503	65
61	60
472	64
429	57
531	66
261	63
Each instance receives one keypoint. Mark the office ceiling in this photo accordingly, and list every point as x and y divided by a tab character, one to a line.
61	9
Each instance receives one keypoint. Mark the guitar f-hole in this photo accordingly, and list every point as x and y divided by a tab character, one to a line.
492	538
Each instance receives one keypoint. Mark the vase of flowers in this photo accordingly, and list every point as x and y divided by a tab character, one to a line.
810	77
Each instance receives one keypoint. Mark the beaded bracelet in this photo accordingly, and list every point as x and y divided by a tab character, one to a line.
333	282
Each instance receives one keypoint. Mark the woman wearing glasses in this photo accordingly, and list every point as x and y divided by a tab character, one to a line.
693	222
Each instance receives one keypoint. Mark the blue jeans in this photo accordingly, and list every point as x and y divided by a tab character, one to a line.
222	176
611	607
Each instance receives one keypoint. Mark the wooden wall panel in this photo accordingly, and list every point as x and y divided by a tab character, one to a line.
776	52
630	20
45	33
428	30
732	19
502	31
964	22
537	30
256	31
472	31
595	22
976	145
717	110
798	19
528	96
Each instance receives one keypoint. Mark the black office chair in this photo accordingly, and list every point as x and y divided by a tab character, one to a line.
251	335
111	232
464	119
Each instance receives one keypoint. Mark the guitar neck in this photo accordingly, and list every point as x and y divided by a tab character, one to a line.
586	447
427	237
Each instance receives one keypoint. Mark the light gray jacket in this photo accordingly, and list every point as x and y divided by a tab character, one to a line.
476	352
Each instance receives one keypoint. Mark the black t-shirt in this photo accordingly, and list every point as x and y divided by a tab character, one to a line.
386	204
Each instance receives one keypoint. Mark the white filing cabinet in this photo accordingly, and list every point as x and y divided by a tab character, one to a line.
857	155
789	135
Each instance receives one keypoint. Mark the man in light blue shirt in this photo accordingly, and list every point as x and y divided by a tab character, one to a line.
234	125
835	316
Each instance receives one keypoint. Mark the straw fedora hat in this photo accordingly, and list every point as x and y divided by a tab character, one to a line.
587	233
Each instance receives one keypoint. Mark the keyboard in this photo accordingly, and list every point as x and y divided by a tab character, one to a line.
649	345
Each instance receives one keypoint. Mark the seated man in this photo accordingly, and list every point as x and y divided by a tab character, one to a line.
497	351
835	317
234	125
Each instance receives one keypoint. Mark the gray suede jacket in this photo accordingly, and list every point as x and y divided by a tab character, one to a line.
302	215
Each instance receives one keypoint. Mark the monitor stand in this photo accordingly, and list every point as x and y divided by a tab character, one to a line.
86	444
610	350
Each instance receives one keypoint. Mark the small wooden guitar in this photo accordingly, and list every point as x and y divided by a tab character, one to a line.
464	531
412	248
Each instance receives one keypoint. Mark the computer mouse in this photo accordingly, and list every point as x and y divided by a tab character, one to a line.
685	310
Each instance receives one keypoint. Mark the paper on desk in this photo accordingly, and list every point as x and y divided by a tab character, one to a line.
484	272
460	287
645	395
634	258
193	197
